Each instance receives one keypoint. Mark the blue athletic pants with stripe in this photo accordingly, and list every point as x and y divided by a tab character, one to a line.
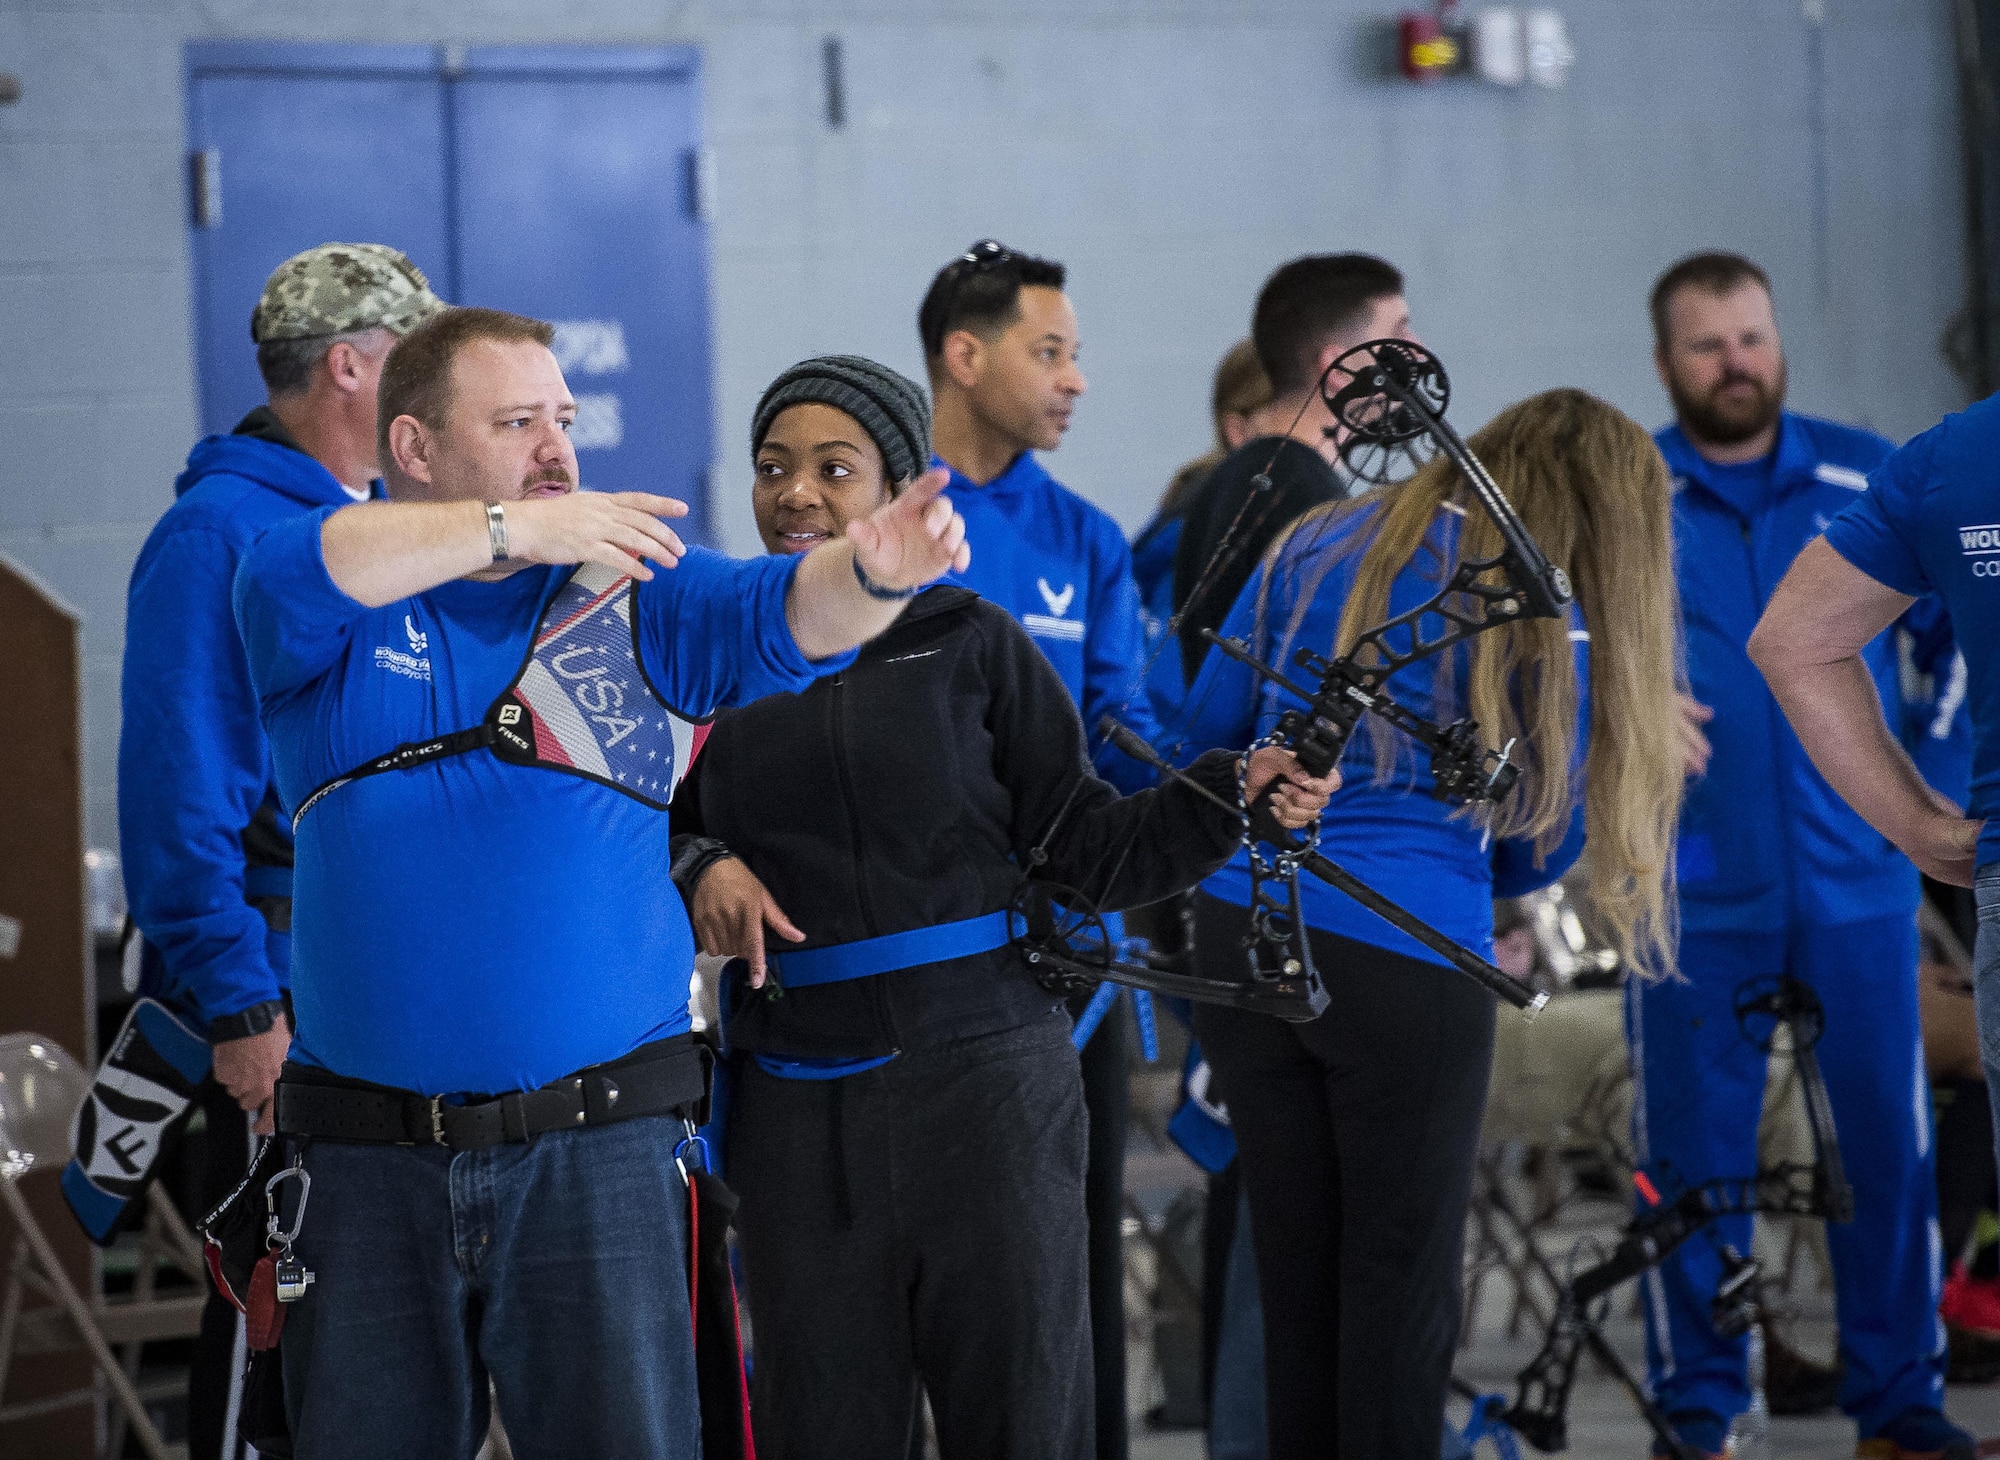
1698	1092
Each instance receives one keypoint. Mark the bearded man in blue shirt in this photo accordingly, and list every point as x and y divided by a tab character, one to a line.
1777	877
476	745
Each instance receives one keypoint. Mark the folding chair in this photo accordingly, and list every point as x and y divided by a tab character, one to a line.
41	1087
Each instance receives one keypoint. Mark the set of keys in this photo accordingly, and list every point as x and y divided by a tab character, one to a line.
280	1278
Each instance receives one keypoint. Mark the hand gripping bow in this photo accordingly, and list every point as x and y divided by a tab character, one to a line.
1388	398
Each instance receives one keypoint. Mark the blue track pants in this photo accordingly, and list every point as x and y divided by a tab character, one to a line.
1699	1089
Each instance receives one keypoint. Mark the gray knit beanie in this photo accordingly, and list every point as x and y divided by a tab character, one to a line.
891	408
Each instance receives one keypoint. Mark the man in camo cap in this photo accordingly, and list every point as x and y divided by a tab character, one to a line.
207	852
342	288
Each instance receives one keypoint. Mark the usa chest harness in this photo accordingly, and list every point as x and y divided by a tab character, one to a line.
581	703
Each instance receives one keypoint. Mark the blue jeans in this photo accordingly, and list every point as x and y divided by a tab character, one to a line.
558	1269
1986	982
1236	1408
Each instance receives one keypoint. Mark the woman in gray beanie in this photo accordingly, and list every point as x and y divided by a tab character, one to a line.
907	1134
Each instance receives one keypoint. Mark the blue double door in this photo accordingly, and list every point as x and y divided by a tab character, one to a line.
561	183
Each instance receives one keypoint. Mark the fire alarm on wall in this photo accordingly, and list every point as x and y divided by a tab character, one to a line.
1500	44
10	88
1424	52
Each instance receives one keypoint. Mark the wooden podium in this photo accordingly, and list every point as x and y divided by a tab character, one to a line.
45	986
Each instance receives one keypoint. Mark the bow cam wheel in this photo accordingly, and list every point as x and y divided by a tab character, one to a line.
1060	936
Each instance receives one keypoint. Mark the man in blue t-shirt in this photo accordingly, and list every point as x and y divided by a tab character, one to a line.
1777	877
1928	524
492	1070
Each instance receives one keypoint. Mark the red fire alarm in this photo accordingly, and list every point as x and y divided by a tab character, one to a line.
1424	52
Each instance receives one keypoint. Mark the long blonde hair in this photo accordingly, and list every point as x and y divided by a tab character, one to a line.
1595	494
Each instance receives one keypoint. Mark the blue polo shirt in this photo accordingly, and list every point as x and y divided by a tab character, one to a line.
467	925
1061	567
1930	523
1392	833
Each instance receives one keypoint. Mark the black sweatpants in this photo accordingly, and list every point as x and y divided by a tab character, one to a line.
919	1221
1107	1097
1357	1134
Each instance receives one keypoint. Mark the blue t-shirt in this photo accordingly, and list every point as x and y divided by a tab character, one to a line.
1415	850
467	925
1930	522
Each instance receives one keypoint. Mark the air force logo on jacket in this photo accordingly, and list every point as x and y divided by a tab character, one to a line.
1062	568
1053	624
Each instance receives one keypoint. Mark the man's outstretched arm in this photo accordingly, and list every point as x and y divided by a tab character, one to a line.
379	552
1808	646
914	539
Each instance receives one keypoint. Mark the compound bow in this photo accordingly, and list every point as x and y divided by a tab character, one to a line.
1540	1413
1388	398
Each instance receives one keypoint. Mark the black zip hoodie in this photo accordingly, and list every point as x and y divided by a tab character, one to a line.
908	790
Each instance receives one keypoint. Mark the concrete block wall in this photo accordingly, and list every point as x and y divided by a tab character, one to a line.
1171	153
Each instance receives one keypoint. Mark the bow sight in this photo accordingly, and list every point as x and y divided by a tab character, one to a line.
1387	399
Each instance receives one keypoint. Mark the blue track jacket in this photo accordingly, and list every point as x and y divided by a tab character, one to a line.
1062	568
193	764
1764	839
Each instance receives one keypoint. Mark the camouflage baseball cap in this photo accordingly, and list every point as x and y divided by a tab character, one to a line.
339	287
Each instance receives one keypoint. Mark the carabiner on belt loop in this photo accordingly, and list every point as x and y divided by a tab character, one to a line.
274	1236
694	1139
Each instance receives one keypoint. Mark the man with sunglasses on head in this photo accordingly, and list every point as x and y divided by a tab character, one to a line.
1000	345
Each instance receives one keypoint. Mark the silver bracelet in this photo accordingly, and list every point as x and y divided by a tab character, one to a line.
496	530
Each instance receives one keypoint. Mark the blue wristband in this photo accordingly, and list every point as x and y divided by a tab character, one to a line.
875	590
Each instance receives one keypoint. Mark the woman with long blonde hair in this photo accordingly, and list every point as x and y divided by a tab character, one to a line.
1357	1131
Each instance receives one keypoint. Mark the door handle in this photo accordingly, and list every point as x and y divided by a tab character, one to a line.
205	172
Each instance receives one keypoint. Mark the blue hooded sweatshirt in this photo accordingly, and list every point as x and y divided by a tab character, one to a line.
1061	567
193	765
1764	839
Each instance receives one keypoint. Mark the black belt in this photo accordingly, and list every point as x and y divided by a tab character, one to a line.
668	1077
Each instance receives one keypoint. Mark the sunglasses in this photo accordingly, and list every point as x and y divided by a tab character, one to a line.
982	258
985	255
